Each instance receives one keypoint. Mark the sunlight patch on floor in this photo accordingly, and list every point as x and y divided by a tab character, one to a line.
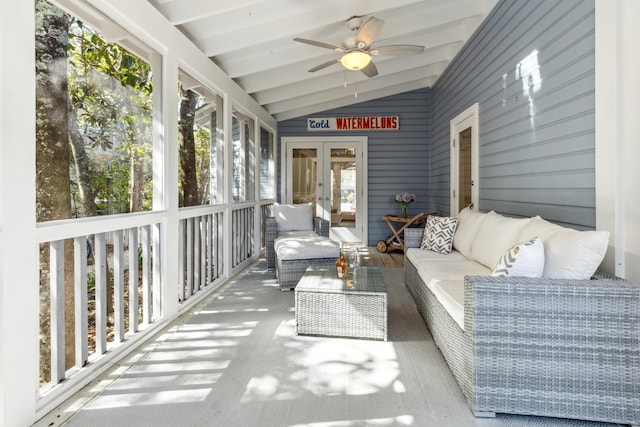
342	366
402	420
166	397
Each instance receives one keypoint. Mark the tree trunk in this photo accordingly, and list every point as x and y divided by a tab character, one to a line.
137	172
53	194
188	173
81	163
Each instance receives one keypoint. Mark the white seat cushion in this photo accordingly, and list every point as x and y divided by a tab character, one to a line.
446	280
284	234
306	247
450	293
419	256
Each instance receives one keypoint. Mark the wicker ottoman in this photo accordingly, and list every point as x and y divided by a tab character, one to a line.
295	253
326	305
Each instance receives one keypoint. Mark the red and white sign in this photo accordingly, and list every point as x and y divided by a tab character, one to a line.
353	123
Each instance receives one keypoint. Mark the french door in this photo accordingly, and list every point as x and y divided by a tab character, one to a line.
329	173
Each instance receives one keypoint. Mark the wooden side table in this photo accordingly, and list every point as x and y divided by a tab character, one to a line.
396	241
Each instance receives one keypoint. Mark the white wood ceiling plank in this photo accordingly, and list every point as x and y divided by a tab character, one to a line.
245	33
361	86
185	11
258	61
334	80
252	42
298	72
350	99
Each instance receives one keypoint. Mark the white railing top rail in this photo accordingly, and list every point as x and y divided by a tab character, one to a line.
76	227
195	211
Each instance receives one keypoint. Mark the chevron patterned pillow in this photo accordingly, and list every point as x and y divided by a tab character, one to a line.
526	259
438	234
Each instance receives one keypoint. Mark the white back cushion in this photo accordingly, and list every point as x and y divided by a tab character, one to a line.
496	236
569	254
469	223
293	217
538	227
573	254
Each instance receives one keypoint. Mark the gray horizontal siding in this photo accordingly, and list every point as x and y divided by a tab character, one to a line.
397	159
537	153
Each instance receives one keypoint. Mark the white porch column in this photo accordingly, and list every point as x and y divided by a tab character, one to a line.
166	197
19	278
618	133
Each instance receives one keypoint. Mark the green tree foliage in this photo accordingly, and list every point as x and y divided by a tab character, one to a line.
110	91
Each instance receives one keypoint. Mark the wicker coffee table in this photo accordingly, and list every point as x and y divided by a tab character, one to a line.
328	306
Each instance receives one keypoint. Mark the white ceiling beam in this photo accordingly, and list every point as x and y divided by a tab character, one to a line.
349	99
359	87
334	80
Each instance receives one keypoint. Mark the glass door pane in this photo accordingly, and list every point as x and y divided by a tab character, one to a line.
304	176
343	187
465	181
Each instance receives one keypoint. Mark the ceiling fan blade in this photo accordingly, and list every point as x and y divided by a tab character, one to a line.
324	65
368	32
397	50
370	70
320	44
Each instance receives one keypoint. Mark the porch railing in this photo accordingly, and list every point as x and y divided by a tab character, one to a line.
114	275
200	260
114	267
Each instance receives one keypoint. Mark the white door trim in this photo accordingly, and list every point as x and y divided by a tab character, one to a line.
468	118
320	141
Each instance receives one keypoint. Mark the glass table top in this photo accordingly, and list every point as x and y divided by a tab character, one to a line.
363	280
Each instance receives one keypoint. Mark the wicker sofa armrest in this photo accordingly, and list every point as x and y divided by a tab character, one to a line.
555	341
321	226
271	232
413	237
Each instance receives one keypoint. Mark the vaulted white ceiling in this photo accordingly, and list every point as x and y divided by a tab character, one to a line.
252	41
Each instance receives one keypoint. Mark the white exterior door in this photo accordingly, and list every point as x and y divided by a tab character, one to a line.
464	160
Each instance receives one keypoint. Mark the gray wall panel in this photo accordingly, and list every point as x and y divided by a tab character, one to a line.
397	160
537	144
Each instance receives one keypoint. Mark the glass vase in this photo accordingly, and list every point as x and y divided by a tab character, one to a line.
404	210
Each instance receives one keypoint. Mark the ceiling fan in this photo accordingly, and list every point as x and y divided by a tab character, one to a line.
357	51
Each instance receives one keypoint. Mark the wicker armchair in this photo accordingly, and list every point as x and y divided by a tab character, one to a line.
289	271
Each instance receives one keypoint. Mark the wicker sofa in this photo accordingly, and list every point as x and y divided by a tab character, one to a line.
545	346
295	240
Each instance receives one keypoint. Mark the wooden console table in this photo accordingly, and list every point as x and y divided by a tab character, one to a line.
395	241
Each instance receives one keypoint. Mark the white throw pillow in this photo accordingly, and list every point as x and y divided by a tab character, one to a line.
293	217
469	223
573	254
497	234
438	234
526	259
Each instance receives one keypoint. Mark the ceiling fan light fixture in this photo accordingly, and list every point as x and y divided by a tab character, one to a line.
355	60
